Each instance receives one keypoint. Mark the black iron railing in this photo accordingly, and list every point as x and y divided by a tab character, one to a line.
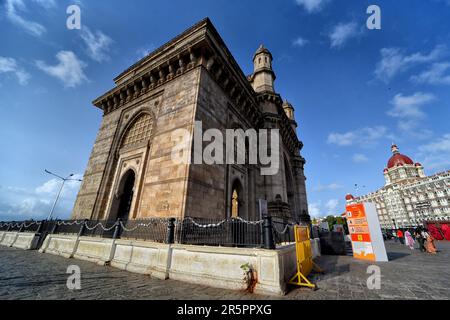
212	232
230	232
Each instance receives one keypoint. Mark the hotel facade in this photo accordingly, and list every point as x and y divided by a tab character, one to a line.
409	197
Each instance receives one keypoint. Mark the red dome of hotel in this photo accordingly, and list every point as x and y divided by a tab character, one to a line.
398	159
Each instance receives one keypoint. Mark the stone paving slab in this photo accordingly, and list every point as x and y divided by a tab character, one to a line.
409	275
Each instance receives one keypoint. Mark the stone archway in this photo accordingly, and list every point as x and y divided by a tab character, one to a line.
123	199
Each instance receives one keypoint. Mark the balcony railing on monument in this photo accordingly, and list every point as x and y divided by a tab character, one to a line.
230	232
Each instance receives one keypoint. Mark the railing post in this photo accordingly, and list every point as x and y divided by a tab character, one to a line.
55	226
82	227
41	226
9	226
171	231
269	243
116	234
21	227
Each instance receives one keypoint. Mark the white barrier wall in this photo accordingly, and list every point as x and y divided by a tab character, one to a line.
20	240
212	266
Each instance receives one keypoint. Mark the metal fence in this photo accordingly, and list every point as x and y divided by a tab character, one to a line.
230	232
153	229
283	232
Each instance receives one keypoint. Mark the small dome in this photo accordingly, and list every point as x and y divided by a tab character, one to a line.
287	104
385	170
260	50
418	164
398	159
349	197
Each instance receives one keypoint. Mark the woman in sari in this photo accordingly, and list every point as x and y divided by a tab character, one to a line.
430	246
409	240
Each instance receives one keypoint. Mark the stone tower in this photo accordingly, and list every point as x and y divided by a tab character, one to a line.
263	75
194	77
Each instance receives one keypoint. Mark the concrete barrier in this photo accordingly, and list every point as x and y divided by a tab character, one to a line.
143	257
212	266
20	240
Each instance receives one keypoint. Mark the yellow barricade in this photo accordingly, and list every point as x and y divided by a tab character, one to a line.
305	263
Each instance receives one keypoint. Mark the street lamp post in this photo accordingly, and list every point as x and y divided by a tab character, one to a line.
69	178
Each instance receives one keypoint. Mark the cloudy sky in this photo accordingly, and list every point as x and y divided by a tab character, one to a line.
355	90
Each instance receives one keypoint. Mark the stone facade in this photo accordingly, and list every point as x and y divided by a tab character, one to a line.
131	174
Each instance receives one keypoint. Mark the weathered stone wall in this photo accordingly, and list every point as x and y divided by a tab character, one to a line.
90	187
165	181
161	182
207	183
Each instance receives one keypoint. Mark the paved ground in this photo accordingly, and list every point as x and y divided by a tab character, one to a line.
409	275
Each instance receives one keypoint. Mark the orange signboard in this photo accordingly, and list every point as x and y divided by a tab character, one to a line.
359	232
361	237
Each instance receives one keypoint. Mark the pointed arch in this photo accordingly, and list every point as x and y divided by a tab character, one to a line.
237	198
138	130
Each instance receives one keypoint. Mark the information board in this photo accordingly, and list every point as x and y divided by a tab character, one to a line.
365	232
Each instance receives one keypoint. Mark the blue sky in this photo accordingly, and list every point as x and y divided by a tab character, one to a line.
355	90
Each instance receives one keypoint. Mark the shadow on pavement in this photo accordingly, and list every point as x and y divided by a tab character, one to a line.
396	255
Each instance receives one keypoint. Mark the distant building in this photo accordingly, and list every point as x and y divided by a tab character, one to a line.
409	197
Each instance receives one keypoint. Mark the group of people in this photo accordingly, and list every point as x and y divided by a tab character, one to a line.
409	237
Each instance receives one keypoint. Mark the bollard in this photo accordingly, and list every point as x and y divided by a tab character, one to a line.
269	243
171	231
83	226
116	234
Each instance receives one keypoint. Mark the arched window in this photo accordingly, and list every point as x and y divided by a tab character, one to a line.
139	131
236	199
235	204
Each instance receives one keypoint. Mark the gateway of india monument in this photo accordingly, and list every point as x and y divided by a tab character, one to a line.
194	77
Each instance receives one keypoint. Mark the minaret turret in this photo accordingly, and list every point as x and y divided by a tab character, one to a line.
290	113
263	76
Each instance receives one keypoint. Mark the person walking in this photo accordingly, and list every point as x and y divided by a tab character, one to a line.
420	239
409	240
401	236
430	245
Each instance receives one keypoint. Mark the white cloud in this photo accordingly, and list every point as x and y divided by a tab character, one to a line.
436	74
144	51
436	154
21	203
359	158
331	206
300	42
363	136
12	8
342	33
9	66
408	109
318	209
98	44
48	4
312	5
394	61
69	69
410	106
331	186
314	209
